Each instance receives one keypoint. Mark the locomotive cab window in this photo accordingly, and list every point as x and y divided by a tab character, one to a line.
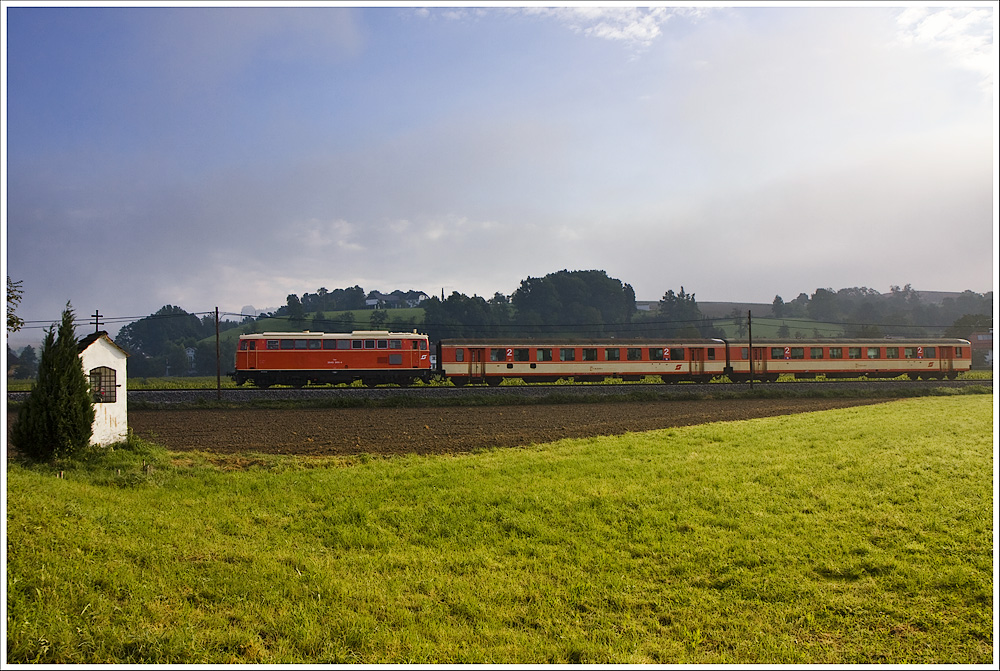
248	344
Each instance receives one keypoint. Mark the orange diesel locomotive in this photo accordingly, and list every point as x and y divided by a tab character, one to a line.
297	359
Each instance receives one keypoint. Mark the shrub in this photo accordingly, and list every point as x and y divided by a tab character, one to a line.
57	419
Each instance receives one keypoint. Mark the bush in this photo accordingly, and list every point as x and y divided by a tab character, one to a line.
57	419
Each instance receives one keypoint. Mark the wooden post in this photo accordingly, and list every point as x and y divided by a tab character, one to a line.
218	359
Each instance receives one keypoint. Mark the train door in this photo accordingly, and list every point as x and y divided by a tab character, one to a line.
251	351
947	359
697	361
477	364
759	361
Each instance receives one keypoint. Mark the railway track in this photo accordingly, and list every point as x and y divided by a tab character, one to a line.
611	391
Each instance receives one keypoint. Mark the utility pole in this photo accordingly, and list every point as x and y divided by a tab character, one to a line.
218	359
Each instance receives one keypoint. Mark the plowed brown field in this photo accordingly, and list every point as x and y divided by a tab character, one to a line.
438	430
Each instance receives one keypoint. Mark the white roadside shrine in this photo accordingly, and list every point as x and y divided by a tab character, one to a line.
104	366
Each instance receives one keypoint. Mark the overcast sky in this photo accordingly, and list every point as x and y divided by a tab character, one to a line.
208	157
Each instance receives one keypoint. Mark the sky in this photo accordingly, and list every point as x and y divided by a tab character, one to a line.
227	156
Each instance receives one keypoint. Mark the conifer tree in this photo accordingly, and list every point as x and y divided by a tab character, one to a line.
57	419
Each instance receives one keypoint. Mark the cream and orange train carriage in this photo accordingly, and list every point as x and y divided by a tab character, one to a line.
492	361
297	359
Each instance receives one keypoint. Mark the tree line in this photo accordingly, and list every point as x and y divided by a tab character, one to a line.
563	304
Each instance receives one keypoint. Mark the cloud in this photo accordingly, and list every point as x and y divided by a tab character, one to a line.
964	35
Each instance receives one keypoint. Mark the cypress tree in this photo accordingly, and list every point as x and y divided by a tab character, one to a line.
57	419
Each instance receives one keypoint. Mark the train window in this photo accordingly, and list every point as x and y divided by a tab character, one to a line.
543	355
910	352
853	352
815	352
383	344
930	352
711	353
798	353
287	344
677	353
612	354
357	344
521	354
498	354
891	352
777	352
958	351
873	352
272	344
744	353
369	344
589	354
301	344
329	344
656	353
395	344
567	354
459	354
836	352
102	384
343	344
314	344
634	354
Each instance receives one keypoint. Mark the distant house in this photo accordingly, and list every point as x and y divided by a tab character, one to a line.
104	365
982	349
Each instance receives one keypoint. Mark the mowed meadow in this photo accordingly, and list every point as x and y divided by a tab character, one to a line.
861	535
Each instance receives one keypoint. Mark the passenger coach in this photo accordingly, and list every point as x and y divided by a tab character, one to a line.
297	359
492	361
489	361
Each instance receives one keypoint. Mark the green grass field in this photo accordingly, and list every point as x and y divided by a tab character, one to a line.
853	536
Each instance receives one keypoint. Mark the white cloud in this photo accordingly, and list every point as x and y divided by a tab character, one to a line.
964	35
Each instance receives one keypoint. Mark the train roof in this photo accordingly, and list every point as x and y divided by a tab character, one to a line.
705	342
321	334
